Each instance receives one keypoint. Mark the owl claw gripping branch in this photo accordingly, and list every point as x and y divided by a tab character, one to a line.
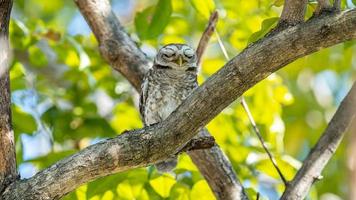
171	79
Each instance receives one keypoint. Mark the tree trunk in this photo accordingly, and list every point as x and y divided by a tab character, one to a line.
8	173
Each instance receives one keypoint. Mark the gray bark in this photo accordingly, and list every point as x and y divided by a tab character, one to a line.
293	12
324	149
323	6
8	171
115	45
142	147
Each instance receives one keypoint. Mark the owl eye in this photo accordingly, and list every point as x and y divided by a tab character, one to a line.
168	54
189	54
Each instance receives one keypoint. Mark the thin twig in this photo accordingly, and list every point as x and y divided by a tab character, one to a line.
252	121
258	133
258	196
204	40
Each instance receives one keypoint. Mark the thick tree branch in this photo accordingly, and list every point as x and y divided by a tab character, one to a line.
8	171
324	149
103	23
115	45
293	12
139	148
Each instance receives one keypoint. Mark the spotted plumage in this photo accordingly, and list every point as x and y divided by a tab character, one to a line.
171	79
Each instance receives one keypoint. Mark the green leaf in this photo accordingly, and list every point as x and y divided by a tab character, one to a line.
47	160
66	125
267	25
100	186
162	185
22	121
204	8
151	22
201	190
278	3
180	192
37	57
126	117
128	185
17	76
288	166
83	56
142	22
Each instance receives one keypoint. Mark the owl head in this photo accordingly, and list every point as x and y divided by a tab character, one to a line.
177	57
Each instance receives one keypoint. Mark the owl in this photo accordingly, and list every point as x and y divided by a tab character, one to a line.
171	79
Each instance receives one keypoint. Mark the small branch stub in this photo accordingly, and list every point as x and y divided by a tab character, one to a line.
203	142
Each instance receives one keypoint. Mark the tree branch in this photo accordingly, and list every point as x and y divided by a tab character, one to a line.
337	5
199	143
323	6
324	149
8	171
218	172
115	45
293	12
204	40
351	161
142	147
103	23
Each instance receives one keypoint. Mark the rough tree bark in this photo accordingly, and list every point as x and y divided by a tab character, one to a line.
124	56
293	12
139	148
324	149
8	172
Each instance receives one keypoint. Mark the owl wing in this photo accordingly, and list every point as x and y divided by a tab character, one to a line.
143	96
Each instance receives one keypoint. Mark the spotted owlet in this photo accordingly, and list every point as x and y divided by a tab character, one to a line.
171	79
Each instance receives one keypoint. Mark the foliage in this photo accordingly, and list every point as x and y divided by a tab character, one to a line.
65	95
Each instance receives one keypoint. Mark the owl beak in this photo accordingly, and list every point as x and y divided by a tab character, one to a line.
179	61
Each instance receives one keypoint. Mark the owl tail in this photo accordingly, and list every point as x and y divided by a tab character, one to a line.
167	165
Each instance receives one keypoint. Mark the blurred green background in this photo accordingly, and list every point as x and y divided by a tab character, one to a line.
66	97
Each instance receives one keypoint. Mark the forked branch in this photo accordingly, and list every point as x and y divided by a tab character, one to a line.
122	54
139	148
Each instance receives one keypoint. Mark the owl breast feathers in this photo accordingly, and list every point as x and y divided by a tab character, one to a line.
171	79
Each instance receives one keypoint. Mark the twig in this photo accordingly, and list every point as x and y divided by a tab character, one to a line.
258	196
252	121
204	40
258	133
